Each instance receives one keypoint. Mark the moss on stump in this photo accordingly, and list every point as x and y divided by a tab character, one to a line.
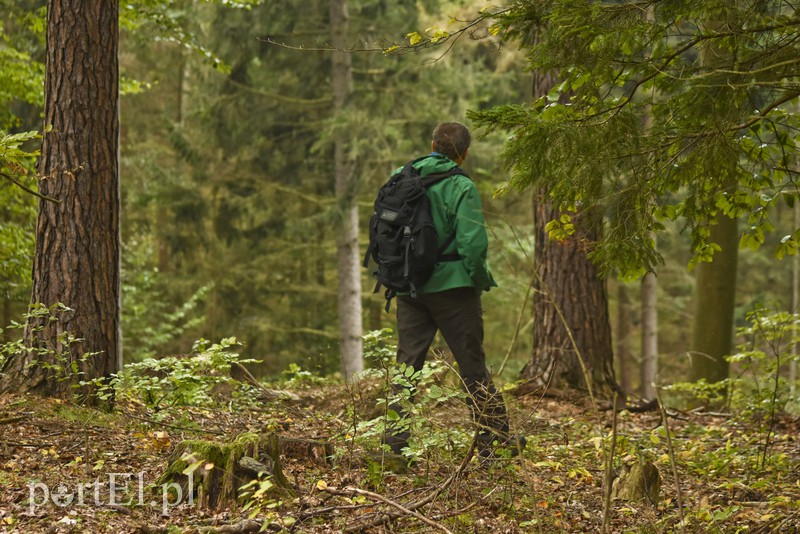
639	483
213	472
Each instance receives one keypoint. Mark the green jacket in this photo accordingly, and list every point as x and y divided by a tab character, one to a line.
456	210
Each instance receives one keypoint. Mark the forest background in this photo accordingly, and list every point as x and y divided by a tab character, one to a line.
229	212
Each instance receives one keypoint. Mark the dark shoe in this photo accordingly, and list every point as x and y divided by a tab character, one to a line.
397	441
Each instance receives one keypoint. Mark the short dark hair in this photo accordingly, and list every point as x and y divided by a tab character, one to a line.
451	139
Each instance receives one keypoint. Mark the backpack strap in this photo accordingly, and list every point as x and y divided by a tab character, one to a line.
434	178
453	256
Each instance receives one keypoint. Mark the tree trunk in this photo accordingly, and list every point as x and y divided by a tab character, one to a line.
715	301
795	305
715	295
6	315
623	334
571	329
348	259
77	238
649	366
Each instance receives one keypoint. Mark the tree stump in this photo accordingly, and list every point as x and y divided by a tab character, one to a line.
641	482
211	473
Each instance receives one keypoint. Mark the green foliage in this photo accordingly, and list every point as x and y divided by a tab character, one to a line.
55	358
191	380
149	321
21	61
419	393
230	174
261	500
663	106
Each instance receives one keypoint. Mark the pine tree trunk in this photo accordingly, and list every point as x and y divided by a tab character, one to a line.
649	366
348	258
77	239
571	330
795	305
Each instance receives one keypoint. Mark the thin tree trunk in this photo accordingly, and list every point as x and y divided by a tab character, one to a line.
649	366
77	239
6	315
623	342
348	261
795	305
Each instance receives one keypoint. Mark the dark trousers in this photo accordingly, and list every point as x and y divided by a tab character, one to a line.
458	315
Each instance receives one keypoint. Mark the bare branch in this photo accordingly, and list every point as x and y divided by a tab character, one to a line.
27	189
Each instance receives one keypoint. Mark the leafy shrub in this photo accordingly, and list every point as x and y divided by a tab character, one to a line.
420	393
191	380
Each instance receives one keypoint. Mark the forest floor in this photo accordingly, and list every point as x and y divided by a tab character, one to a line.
58	462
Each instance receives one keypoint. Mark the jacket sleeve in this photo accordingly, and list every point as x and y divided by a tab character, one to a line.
471	240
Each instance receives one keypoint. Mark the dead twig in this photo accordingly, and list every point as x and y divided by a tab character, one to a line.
26	445
351	492
672	461
609	470
176	427
28	189
13	419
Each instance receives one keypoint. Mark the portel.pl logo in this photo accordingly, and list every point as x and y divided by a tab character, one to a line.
121	489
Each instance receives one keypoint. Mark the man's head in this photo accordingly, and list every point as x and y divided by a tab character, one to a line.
451	139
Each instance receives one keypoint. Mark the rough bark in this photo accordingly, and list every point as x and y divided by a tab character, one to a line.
77	239
348	258
571	328
649	366
571	331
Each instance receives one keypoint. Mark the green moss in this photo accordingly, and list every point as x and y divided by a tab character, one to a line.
221	483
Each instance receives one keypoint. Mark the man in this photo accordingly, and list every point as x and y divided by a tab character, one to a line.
450	301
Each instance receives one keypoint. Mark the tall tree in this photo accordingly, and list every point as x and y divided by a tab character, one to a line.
712	333
622	338
649	366
715	302
77	234
571	328
720	120
348	264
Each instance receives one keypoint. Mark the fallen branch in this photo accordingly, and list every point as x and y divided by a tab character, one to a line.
268	394
13	419
176	427
351	492
248	525
26	445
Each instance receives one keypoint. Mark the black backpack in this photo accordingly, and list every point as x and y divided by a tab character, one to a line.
403	241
